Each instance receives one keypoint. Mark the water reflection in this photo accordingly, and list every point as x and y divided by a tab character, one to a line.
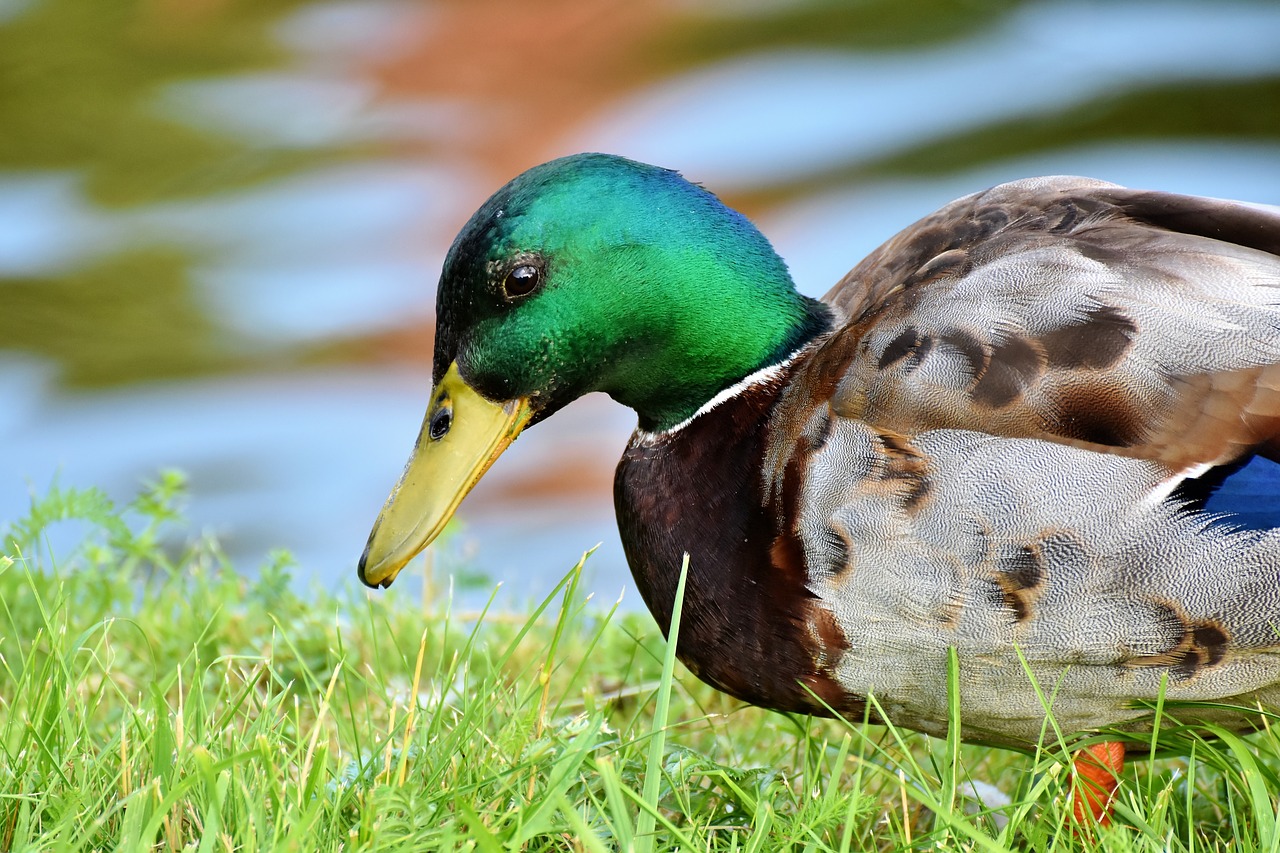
221	224
781	115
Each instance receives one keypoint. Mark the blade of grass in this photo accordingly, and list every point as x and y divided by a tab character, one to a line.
1157	718
951	767
549	663
480	834
617	803
583	833
411	710
657	817
760	835
1264	808
657	744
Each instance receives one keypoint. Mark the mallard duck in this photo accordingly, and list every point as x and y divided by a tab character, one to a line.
1000	433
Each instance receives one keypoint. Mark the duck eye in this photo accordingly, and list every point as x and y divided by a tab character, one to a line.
522	280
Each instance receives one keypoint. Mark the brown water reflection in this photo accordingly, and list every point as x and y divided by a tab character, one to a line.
221	222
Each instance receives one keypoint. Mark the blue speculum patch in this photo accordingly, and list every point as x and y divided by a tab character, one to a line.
1250	495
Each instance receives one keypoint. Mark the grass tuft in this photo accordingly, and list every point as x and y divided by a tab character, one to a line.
153	697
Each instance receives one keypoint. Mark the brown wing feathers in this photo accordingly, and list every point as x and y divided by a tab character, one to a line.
1141	323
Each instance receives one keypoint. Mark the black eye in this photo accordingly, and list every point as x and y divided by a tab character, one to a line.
522	280
440	423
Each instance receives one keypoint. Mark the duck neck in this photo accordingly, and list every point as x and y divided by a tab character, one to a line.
707	339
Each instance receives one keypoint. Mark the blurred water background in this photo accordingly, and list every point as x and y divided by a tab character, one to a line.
221	221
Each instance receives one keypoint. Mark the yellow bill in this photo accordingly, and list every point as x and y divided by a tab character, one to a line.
462	435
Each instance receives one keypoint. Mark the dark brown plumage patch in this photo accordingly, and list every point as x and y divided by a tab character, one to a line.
898	348
920	488
1068	216
818	434
921	352
786	552
1021	573
1099	342
1213	640
986	221
906	471
1014	365
823	681
910	347
1096	416
1202	645
1022	566
839	547
970	349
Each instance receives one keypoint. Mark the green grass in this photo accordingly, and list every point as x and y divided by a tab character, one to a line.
153	697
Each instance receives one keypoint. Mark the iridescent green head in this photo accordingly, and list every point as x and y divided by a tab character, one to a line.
588	273
597	273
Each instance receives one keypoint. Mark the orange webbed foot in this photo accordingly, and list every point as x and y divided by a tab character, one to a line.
1095	777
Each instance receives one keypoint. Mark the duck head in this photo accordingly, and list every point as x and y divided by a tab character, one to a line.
587	273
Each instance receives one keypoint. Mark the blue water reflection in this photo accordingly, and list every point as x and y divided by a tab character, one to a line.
783	115
47	225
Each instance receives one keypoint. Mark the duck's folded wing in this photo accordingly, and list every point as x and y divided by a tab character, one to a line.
1143	323
957	539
